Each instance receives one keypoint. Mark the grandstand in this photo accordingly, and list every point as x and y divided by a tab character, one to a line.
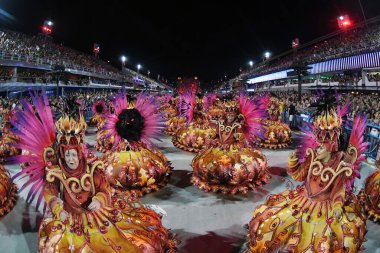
33	61
344	58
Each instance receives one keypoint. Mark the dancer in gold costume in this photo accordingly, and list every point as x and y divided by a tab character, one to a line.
321	215
84	216
7	140
197	133
133	164
99	110
103	142
232	165
277	134
370	196
174	120
8	192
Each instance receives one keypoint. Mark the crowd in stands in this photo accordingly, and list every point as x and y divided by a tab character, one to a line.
364	103
350	42
343	80
33	76
41	49
6	74
373	77
360	102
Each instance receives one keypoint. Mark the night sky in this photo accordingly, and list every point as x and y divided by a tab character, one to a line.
184	38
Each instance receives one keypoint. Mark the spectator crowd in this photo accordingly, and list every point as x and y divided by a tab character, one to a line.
42	50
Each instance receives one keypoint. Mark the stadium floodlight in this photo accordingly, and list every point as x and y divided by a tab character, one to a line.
47	27
267	55
123	59
250	63
138	67
344	21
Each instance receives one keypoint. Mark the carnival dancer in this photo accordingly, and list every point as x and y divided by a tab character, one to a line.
197	133
99	111
134	164
83	214
232	165
370	196
6	139
174	120
322	214
8	192
277	134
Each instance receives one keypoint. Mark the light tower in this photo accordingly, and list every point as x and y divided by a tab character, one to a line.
47	27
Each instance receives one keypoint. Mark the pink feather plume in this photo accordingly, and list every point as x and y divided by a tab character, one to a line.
357	141
35	131
154	123
252	128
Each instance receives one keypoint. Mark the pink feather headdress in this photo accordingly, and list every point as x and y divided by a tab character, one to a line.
153	122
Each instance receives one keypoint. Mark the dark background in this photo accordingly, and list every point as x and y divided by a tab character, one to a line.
184	38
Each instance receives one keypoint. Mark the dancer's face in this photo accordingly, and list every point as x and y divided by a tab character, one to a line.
322	152
71	159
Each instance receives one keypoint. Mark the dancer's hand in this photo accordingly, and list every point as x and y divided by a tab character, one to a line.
95	205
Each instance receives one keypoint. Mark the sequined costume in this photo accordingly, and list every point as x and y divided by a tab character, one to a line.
133	164
8	192
174	120
174	124
216	110
232	165
83	214
277	134
104	142
197	133
370	197
321	215
6	139
99	110
168	106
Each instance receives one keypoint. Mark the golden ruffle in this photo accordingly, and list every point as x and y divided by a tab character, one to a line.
230	169
140	170
8	192
276	135
293	222
194	138
121	227
370	197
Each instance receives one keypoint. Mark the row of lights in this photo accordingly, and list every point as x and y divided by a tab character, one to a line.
124	60
267	55
344	22
47	28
